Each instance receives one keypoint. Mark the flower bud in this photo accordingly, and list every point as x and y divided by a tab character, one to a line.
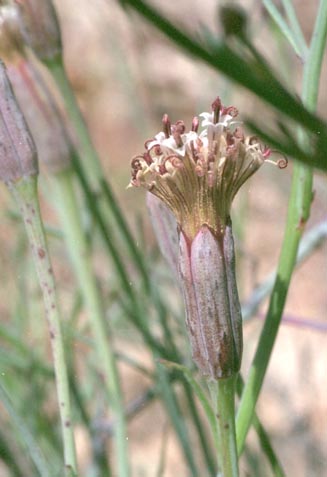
213	313
233	19
18	156
42	115
40	28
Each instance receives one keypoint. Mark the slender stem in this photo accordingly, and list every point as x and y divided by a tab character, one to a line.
299	47
25	435
25	193
222	394
200	430
263	437
295	26
80	255
91	163
298	214
135	307
90	160
173	409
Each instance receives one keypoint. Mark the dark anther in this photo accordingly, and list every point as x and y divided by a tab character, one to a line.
229	139
166	125
162	169
230	110
178	139
147	157
136	166
135	163
253	140
177	130
239	134
216	107
179	127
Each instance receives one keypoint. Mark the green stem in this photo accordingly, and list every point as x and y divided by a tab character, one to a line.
295	26
298	44
173	409
263	437
26	437
298	214
80	255
90	160
25	193
223	397
198	426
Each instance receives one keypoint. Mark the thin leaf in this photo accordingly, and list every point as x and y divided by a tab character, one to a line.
199	392
26	436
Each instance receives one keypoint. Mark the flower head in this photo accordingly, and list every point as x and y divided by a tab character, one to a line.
198	173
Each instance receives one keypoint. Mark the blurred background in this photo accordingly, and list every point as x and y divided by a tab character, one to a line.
126	75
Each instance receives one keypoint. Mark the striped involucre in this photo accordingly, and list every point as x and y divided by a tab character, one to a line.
213	313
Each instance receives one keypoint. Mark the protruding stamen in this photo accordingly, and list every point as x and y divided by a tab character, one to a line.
195	124
156	149
147	142
216	107
280	163
147	157
177	130
136	166
166	125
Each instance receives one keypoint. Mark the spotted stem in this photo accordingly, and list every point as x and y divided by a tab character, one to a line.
25	194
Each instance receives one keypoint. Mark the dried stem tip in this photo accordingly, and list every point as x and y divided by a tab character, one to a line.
18	158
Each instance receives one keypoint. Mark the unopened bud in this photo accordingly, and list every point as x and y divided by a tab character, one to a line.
18	158
213	313
40	28
42	115
233	19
